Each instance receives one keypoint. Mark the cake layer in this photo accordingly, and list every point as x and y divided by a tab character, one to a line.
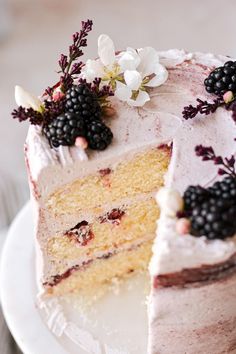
58	226
194	320
142	174
101	271
119	227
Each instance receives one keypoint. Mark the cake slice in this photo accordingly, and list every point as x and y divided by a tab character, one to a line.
96	222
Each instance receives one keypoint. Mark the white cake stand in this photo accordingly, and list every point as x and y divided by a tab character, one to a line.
114	324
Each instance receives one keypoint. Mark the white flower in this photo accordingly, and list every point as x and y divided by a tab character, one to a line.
106	50
149	73
128	60
150	66
26	99
106	66
129	73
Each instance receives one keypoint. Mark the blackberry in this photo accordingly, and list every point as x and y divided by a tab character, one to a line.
222	79
99	136
193	196
82	101
214	218
225	189
64	129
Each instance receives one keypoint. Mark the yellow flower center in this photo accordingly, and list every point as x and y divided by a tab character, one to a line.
112	75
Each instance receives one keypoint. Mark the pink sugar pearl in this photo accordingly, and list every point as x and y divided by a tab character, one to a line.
81	142
183	226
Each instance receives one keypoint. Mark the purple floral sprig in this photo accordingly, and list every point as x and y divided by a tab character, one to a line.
101	92
50	110
23	114
207	153
203	107
69	66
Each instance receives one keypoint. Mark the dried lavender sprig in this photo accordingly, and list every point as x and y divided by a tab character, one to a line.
23	114
51	110
66	63
203	107
208	154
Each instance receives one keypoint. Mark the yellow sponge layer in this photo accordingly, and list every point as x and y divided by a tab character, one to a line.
142	174
138	222
103	271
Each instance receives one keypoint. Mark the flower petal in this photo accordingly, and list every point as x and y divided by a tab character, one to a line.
161	75
141	99
92	69
133	79
149	58
106	50
26	100
123	92
129	60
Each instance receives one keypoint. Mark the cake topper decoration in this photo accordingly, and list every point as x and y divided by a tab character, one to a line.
72	111
130	73
211	211
221	82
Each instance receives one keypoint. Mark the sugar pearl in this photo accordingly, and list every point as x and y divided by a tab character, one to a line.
228	96
57	95
81	142
183	226
109	111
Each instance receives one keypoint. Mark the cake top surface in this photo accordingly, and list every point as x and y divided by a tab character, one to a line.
159	121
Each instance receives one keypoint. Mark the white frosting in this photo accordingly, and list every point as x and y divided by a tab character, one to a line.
38	152
59	325
173	252
169	201
174	57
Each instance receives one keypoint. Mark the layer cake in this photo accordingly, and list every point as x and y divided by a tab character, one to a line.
102	143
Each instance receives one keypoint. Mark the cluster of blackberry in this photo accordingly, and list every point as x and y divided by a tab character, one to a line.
212	211
222	79
82	118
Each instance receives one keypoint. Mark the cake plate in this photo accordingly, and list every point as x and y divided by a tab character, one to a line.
114	323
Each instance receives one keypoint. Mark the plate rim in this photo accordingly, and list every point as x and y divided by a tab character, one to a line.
34	339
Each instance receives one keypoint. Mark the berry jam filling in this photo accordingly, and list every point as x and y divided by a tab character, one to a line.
105	172
81	233
166	148
113	217
203	274
56	279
